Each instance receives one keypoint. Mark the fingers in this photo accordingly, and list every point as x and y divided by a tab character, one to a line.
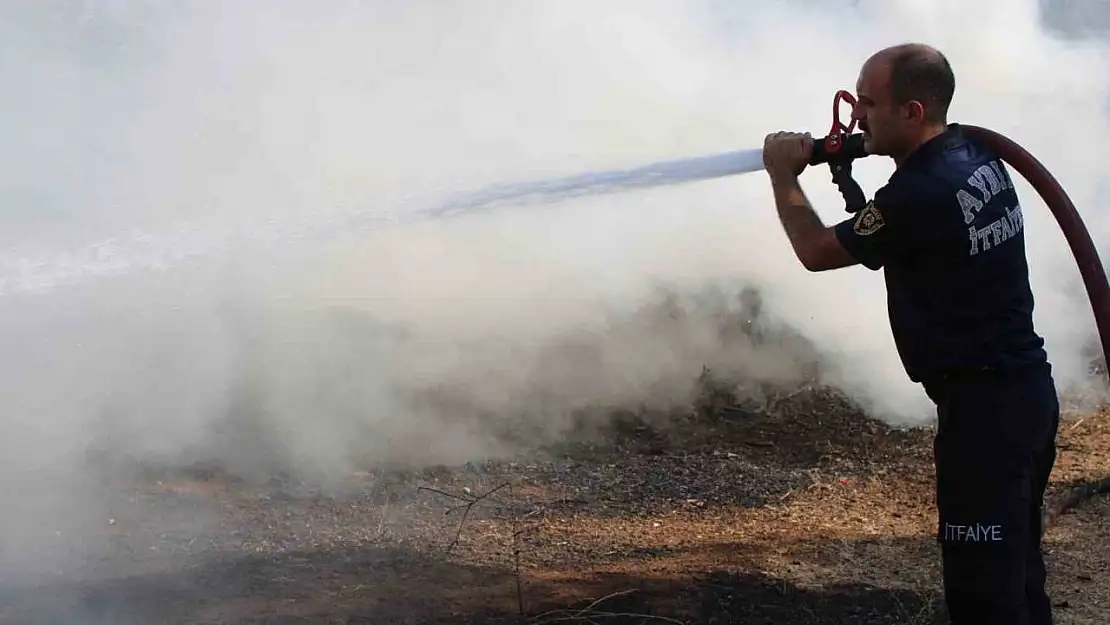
785	135
782	138
787	151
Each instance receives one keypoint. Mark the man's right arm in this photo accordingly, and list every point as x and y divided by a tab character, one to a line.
815	244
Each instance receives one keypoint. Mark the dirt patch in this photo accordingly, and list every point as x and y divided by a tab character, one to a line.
807	512
1079	558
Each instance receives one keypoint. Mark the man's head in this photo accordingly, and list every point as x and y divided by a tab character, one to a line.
903	92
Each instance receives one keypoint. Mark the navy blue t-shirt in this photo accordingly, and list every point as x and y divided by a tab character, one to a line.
947	230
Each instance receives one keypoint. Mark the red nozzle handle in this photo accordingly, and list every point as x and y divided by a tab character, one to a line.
839	131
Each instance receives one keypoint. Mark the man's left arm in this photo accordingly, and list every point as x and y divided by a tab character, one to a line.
815	244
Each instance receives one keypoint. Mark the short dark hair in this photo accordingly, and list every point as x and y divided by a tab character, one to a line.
921	73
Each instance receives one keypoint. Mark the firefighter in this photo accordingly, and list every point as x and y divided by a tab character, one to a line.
947	231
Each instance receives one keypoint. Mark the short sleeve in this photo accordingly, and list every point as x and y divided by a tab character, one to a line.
885	227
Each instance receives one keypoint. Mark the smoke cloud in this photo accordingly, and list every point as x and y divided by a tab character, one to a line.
196	263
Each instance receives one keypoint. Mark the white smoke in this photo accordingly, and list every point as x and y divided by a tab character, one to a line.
196	123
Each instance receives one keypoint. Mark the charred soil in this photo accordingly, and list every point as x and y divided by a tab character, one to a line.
807	512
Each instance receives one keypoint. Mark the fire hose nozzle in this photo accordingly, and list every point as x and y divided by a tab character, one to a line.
839	148
844	147
847	148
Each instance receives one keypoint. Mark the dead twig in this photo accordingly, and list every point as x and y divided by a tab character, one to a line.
620	593
471	501
468	502
516	564
588	613
381	522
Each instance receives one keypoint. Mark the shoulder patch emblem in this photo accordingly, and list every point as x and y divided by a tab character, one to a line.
869	221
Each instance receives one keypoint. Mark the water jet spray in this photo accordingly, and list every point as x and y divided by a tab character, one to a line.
838	149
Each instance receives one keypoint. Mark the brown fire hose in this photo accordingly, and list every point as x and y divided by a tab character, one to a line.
1086	256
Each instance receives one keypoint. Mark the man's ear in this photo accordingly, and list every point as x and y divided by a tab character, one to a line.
914	111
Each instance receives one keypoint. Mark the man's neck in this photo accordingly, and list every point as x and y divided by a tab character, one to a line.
927	135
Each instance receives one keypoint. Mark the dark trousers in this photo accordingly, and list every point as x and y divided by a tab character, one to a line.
994	449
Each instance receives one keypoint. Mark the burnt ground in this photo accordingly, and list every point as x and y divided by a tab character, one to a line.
805	513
